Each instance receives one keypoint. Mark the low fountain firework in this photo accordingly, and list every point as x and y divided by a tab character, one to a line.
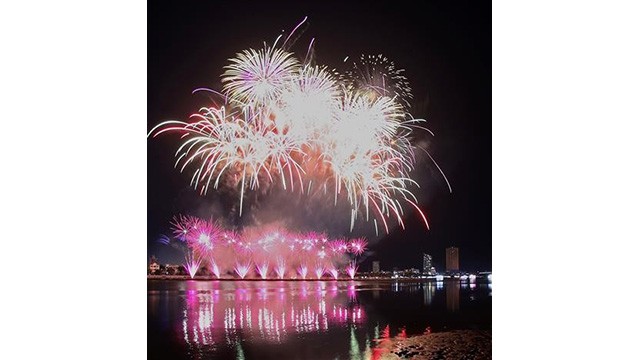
269	253
292	123
192	263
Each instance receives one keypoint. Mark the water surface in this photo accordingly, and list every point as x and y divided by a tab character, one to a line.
302	319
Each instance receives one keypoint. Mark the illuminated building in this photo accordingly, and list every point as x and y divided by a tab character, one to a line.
452	259
427	265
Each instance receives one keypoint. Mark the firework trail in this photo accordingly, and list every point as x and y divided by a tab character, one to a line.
286	122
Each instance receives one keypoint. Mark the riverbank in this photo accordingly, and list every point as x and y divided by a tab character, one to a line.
450	345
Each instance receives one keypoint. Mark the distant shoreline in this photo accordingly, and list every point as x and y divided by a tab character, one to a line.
208	278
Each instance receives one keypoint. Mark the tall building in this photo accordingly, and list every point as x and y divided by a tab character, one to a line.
376	267
427	263
453	263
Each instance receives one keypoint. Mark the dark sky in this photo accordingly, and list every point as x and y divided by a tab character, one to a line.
445	48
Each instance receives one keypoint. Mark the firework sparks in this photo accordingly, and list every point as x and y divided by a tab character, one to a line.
301	126
280	269
302	270
192	263
242	269
263	249
263	270
357	246
334	273
255	77
351	269
213	266
379	75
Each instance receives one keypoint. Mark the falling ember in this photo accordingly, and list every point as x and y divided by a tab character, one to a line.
351	269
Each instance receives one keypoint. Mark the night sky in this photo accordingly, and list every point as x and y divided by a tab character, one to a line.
445	48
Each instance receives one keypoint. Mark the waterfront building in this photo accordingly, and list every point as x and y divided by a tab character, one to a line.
427	265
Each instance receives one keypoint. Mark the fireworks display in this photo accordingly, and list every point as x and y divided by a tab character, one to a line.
304	127
265	254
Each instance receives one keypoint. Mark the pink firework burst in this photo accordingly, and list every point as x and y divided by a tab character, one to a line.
203	234
358	246
338	246
287	253
228	238
244	247
181	225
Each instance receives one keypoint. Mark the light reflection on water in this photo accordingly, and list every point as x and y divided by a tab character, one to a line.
270	314
256	319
